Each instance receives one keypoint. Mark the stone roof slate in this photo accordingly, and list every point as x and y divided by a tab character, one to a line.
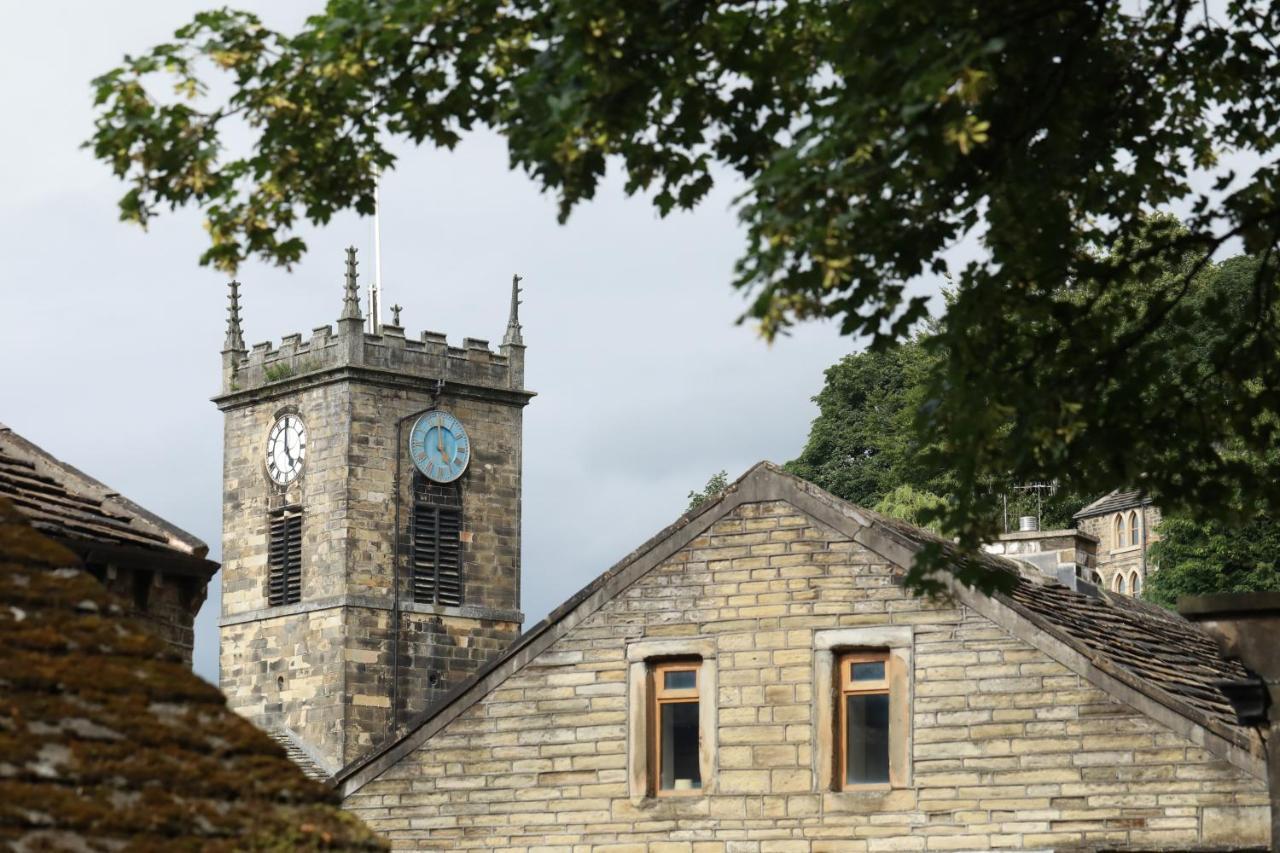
108	741
88	516
1151	651
1117	500
1156	651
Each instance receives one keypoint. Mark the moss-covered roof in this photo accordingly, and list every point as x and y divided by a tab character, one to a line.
108	741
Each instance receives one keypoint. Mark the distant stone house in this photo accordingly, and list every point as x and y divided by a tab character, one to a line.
755	679
1125	523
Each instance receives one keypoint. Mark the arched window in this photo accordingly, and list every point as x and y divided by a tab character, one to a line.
1117	583
1122	532
1135	584
1134	538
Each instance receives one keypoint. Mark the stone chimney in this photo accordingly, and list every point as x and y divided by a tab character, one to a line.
1068	556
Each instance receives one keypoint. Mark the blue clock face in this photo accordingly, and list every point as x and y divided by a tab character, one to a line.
439	447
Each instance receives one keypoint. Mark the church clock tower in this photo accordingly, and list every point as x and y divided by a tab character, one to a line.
371	523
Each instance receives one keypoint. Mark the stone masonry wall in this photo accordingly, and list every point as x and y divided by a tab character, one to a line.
305	649
1010	749
167	603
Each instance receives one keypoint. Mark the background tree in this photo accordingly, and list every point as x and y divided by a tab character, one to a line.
859	446
1202	558
715	485
865	447
872	137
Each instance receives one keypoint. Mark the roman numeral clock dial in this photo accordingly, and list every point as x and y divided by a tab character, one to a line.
286	449
439	447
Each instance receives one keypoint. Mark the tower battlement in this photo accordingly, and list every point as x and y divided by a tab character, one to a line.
329	354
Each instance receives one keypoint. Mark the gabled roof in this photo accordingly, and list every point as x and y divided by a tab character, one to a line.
1147	658
109	741
1117	500
89	517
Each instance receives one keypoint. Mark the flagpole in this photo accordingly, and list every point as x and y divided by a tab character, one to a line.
375	289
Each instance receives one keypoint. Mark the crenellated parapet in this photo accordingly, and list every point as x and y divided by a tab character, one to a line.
388	356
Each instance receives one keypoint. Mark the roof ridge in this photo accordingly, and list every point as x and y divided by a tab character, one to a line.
1114	500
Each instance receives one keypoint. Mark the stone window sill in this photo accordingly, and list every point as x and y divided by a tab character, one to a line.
869	800
1127	549
674	807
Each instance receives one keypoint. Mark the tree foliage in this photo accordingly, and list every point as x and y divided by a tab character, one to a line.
860	445
866	445
715	485
912	506
871	137
1202	558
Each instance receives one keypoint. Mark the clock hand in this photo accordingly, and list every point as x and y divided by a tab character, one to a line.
287	454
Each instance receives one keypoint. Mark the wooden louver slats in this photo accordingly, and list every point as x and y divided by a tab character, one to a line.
437	555
284	558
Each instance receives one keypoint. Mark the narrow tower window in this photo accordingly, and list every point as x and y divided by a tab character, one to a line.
437	543
284	557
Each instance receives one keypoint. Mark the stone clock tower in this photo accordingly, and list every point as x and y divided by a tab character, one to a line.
371	523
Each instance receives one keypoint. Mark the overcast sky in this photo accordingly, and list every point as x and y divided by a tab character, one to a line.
110	342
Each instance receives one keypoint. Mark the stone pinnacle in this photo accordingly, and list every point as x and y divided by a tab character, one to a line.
351	295
513	323
235	339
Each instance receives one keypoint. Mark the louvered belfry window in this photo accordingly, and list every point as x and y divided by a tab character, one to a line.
437	543
284	558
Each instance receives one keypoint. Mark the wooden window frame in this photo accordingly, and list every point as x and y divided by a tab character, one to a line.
1121	532
659	696
829	645
846	686
1135	530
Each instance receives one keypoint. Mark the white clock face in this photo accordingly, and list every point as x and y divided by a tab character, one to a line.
286	449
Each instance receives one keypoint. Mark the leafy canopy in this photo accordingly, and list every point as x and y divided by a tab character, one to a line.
872	138
866	446
716	484
1204	558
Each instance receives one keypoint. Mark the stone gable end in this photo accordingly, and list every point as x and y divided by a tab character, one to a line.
1008	749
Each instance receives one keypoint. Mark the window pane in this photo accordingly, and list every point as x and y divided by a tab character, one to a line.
867	739
679	732
867	671
685	679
